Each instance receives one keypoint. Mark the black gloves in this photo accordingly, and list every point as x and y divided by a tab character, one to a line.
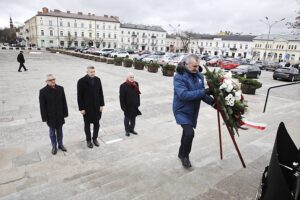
208	91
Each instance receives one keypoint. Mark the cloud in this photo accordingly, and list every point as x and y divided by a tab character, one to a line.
195	15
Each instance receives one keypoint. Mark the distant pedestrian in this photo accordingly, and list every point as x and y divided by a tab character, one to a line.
21	60
130	102
53	106
91	103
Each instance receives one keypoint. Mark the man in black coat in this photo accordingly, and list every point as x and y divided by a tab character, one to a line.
21	60
53	106
90	102
130	102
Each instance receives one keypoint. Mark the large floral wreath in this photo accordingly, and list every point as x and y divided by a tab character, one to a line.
229	99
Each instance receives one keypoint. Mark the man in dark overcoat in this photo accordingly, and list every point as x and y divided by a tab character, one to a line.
53	107
90	102
21	60
130	102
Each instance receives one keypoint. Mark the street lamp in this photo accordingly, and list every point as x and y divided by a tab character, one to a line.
270	25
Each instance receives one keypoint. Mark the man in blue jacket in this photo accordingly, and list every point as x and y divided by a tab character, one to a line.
189	90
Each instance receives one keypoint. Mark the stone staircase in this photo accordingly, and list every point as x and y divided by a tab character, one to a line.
146	166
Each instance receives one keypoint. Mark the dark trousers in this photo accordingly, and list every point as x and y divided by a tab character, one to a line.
22	66
87	130
56	136
186	140
129	123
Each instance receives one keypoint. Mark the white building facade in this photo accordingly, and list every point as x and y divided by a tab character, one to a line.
230	46
277	47
141	37
64	29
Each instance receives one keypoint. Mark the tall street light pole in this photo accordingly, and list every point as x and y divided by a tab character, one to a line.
270	25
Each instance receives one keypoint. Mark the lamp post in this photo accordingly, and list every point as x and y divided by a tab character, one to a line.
270	25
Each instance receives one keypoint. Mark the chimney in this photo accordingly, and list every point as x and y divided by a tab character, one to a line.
56	10
106	16
45	10
68	12
89	14
39	12
79	13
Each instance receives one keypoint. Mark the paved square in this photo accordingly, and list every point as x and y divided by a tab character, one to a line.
140	167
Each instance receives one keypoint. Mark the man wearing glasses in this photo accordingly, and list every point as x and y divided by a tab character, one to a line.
53	106
189	90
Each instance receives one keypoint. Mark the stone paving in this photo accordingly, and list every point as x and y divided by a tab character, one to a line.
139	167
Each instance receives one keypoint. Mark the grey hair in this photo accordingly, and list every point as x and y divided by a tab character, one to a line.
192	57
90	67
130	74
49	75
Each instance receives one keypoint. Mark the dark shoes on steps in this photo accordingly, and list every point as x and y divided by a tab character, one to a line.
61	147
185	161
90	144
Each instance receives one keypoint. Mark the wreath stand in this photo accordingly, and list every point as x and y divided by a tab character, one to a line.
231	135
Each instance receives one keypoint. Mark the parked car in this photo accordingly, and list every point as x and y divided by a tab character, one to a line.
287	73
261	64
297	66
140	58
130	51
144	52
159	53
178	60
151	58
272	66
248	71
91	50
204	57
228	65
104	52
119	54
83	50
166	59
214	62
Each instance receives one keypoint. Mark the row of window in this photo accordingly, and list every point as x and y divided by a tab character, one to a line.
143	34
278	46
51	33
75	25
143	41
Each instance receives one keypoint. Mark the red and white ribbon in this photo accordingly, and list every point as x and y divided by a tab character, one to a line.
259	126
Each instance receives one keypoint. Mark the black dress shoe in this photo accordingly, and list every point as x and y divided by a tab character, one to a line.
89	144
63	148
179	156
186	162
54	150
96	143
134	133
127	133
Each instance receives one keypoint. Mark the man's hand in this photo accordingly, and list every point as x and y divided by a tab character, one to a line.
101	109
208	91
82	112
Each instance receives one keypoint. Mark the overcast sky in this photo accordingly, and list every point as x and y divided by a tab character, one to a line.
203	16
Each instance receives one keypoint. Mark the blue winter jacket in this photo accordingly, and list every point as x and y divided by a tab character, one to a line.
189	90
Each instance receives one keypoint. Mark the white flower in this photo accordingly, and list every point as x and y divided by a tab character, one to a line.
238	95
228	75
229	88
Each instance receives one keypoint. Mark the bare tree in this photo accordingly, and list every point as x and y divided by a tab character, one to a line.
70	39
98	42
185	38
296	24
